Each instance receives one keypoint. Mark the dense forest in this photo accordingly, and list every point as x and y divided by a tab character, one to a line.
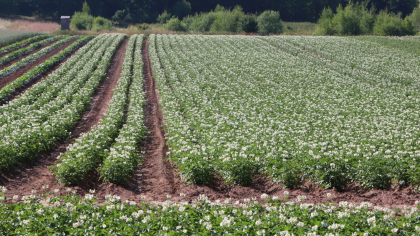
136	11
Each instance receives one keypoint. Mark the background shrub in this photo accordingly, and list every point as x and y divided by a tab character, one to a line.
269	23
174	24
391	24
101	23
164	17
81	21
143	26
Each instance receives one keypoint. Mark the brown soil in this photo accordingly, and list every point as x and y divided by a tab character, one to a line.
28	177
27	86
156	178
4	81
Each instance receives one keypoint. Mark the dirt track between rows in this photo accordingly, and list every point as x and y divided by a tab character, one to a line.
155	178
4	81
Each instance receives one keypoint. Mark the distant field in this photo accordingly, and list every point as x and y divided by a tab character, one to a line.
28	25
8	36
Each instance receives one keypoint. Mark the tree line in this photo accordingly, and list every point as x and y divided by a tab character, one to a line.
137	11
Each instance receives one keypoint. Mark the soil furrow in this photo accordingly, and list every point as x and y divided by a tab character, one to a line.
28	177
4	81
7	64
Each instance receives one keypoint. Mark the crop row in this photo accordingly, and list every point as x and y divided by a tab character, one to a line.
25	138
25	61
239	106
70	214
86	153
22	43
41	68
121	162
23	51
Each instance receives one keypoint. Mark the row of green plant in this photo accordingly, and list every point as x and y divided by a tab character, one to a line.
24	51
37	132
52	213
87	152
22	43
41	68
25	61
224	20
356	19
122	160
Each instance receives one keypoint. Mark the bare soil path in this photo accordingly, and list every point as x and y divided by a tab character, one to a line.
4	81
28	177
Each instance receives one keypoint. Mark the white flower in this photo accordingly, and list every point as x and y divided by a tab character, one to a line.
286	193
328	195
182	195
300	224
315	228
164	228
394	230
264	196
258	222
209	226
104	226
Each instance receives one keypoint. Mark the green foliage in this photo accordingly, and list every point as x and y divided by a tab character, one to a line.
391	24
86	8
222	20
415	18
81	21
269	23
69	214
325	26
119	16
164	17
248	23
181	9
356	19
101	23
174	24
143	26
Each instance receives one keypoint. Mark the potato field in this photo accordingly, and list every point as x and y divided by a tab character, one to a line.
210	135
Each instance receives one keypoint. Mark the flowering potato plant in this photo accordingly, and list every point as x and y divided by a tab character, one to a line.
335	110
51	213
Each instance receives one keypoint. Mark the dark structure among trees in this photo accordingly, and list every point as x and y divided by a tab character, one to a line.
65	22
